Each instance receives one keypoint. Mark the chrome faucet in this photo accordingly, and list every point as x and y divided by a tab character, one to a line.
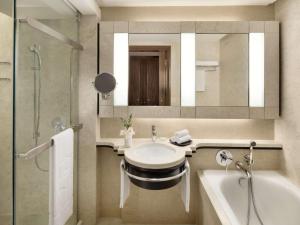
154	133
248	159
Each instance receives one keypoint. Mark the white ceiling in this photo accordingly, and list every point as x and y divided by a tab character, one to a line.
141	3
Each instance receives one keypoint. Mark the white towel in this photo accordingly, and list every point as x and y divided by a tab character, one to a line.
61	178
183	139
125	185
185	187
181	133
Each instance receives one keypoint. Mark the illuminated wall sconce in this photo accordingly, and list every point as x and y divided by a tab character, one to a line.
188	69
256	69
121	69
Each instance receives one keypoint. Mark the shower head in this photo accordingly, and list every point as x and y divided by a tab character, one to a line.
35	49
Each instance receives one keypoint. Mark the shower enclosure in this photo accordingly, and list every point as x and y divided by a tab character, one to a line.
45	103
6	111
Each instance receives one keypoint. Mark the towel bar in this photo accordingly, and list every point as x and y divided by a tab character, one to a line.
43	147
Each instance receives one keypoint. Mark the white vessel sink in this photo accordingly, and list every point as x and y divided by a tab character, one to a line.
154	156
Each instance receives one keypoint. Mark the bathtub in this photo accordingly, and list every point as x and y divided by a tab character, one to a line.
277	199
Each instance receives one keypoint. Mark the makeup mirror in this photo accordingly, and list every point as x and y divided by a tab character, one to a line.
105	83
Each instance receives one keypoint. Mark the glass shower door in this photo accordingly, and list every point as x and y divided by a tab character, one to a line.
46	90
6	112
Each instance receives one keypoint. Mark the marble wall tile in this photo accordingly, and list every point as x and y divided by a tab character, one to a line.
154	27
121	27
257	112
222	27
154	111
199	128
256	26
120	111
222	112
87	170
192	13
287	127
106	111
187	112
188	27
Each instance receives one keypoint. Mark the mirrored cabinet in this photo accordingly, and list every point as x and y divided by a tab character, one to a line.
191	69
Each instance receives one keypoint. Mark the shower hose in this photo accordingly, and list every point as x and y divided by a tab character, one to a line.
251	199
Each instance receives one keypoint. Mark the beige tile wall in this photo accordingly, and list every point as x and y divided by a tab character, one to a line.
6	106
87	169
287	129
199	128
188	13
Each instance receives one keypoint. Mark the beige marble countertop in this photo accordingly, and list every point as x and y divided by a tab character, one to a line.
118	144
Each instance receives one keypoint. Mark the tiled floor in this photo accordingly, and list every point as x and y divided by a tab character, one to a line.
117	221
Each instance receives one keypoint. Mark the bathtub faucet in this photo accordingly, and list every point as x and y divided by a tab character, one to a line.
248	158
154	133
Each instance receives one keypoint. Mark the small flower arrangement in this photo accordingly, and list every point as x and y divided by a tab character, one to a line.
127	123
127	130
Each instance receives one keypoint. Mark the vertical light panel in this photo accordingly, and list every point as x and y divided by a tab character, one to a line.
188	68
121	68
256	69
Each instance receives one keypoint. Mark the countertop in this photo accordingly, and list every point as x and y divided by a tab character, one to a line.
117	144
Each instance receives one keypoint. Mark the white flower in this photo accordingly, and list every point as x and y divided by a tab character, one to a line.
125	131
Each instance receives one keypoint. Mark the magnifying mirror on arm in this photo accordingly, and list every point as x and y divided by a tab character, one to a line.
105	84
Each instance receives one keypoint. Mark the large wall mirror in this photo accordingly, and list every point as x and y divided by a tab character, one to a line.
222	66
154	70
191	69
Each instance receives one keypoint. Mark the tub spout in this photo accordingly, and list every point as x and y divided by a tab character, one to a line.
241	167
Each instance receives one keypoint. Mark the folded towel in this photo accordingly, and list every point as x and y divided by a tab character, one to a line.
180	140
61	178
181	133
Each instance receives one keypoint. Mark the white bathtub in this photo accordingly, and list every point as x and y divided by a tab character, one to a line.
277	199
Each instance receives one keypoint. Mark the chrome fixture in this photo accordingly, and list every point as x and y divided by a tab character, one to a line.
241	167
105	83
37	63
34	152
224	158
51	32
58	124
249	161
154	133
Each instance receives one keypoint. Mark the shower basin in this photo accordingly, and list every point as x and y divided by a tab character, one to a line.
155	166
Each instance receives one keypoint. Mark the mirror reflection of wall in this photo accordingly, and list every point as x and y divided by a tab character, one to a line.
221	70
154	69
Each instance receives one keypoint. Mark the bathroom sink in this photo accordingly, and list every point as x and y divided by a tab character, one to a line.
155	156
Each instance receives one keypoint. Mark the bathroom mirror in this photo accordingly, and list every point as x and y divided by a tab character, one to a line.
105	83
154	70
222	67
194	69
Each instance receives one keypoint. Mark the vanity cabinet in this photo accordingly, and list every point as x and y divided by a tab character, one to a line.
203	69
